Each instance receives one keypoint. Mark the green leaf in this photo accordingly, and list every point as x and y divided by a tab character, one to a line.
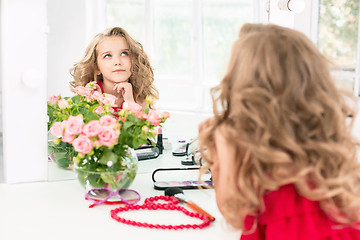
92	116
136	143
108	156
127	124
76	99
95	180
83	111
60	155
63	162
82	176
110	177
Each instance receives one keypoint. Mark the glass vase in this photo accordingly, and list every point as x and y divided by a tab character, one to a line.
108	178
60	154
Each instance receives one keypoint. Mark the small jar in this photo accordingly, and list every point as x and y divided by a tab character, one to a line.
180	148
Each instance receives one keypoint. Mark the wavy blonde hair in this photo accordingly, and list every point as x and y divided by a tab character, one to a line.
142	76
279	106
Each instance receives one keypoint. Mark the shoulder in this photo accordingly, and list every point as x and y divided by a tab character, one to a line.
286	202
289	215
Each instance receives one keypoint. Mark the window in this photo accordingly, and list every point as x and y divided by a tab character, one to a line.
188	42
338	40
129	14
221	24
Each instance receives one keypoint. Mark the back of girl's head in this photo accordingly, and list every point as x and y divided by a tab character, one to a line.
278	102
278	81
142	76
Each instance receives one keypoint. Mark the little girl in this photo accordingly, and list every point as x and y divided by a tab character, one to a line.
279	147
118	65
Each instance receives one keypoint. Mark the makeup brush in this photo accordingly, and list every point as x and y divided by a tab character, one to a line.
179	194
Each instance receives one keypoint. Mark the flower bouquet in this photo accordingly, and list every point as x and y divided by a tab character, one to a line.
85	102
99	141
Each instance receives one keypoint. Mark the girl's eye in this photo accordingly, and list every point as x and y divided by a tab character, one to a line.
125	53
107	56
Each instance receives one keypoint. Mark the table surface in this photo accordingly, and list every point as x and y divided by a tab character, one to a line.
57	210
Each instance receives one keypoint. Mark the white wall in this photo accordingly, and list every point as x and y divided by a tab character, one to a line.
306	21
23	51
66	42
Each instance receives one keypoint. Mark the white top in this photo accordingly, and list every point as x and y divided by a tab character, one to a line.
57	210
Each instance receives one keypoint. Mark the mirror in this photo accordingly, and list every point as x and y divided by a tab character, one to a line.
66	44
181	46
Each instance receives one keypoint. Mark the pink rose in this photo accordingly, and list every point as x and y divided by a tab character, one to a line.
154	118
74	125
92	128
166	115
83	91
110	99
145	129
57	129
93	86
98	96
82	144
96	143
108	136
107	120
63	103
132	106
53	100
99	110
68	138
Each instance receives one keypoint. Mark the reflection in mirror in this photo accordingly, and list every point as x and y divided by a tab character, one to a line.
186	41
66	43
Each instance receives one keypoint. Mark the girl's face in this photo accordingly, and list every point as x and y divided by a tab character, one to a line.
113	60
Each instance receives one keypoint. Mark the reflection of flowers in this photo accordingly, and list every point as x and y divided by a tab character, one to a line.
98	137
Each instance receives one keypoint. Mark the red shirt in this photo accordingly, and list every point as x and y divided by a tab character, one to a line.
289	216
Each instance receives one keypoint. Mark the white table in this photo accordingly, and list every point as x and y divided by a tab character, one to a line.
57	210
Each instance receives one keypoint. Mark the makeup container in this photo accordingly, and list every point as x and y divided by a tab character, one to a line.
167	144
147	152
180	148
184	178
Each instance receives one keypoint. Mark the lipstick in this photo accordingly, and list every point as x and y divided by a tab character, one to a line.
159	142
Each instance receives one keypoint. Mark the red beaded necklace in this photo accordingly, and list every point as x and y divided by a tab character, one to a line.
150	204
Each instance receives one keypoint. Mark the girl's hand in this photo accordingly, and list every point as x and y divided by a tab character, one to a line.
126	91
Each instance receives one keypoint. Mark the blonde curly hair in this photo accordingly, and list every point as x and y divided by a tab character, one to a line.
278	105
142	76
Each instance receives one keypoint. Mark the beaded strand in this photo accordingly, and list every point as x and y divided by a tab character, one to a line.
150	204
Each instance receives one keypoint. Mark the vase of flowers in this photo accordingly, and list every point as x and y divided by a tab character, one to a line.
102	141
116	178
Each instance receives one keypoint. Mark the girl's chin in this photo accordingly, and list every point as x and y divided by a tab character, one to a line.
121	81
